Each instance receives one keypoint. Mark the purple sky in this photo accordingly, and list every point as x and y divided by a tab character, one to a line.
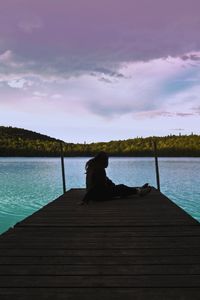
87	70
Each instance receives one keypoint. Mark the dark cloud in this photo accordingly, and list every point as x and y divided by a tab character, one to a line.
109	72
196	110
168	114
75	36
105	80
193	57
154	114
109	110
180	114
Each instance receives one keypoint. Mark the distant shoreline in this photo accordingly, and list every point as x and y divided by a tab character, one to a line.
17	142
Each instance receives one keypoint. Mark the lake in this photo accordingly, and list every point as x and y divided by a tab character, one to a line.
27	184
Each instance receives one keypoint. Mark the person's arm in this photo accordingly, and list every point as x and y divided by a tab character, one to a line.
109	182
99	177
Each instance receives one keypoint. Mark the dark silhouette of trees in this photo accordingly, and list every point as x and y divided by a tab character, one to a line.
21	142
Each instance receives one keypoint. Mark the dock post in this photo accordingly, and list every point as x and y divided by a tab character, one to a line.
156	165
62	167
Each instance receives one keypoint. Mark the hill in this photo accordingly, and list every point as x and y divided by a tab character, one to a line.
14	132
21	142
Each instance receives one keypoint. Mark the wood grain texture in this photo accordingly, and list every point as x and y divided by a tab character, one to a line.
132	248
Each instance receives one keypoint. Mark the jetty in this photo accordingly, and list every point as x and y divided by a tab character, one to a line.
131	248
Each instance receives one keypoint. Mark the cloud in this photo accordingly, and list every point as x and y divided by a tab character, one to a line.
105	71
106	80
18	83
156	88
39	94
28	26
165	114
56	96
8	61
196	110
180	114
75	37
90	60
6	56
195	56
60	69
154	114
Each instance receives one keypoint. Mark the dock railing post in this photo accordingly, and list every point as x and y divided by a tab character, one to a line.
62	167
156	164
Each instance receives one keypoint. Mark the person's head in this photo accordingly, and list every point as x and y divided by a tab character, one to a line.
100	159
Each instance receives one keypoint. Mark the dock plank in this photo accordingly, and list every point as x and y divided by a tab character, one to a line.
99	293
137	247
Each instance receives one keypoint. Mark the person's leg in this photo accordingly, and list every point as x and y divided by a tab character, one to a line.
122	190
96	194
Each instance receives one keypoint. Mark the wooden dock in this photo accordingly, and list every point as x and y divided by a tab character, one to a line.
133	248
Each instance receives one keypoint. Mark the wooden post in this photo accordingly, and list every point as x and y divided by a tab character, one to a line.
156	165
62	167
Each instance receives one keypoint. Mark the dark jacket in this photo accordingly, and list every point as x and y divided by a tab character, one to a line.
96	178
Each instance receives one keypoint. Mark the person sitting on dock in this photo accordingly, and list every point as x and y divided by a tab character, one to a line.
100	187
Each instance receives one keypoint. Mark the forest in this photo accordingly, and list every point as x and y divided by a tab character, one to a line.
22	142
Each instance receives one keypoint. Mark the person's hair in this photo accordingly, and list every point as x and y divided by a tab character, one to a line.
95	160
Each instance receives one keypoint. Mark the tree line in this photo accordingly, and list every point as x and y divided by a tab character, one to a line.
21	142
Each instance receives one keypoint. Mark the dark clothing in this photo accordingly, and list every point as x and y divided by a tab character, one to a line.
99	187
96	178
101	194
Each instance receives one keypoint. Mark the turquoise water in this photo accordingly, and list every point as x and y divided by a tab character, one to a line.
26	184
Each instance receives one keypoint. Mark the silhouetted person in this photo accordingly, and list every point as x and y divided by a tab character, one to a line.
100	187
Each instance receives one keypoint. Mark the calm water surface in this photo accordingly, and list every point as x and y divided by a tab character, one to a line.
26	184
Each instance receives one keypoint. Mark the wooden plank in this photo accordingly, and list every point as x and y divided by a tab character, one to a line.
101	281
134	247
98	232
120	252
123	240
107	222
100	260
99	269
99	293
131	243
